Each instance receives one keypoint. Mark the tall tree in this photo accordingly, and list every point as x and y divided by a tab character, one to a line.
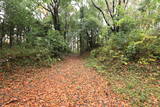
113	12
53	7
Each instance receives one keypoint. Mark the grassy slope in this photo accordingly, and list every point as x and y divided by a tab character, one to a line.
140	84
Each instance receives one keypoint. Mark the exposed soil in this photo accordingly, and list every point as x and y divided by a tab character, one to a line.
66	84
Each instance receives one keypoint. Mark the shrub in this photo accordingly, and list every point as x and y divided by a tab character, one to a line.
145	48
118	41
56	43
155	48
41	51
135	51
127	24
135	46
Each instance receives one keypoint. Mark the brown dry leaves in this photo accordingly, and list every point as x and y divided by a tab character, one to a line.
66	84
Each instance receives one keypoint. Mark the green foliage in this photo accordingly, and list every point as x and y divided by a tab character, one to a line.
129	48
36	51
118	41
31	38
130	44
25	56
56	43
130	56
21	51
53	42
127	24
142	49
154	47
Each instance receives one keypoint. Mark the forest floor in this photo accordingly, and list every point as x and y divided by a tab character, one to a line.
68	83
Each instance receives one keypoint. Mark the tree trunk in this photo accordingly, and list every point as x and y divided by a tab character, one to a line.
66	27
81	38
65	33
10	37
10	41
2	35
56	21
92	44
1	42
88	41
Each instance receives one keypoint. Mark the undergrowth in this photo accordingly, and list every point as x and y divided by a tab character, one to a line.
137	83
21	56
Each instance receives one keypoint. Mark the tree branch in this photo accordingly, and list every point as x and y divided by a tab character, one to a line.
98	8
119	3
109	9
45	8
126	3
113	6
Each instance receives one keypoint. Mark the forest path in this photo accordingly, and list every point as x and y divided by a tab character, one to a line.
66	84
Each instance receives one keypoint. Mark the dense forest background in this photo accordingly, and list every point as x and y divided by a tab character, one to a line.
122	34
127	29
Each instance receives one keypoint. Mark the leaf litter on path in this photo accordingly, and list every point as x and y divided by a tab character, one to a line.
66	84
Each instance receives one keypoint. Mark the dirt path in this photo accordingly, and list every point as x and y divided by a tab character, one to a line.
66	84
